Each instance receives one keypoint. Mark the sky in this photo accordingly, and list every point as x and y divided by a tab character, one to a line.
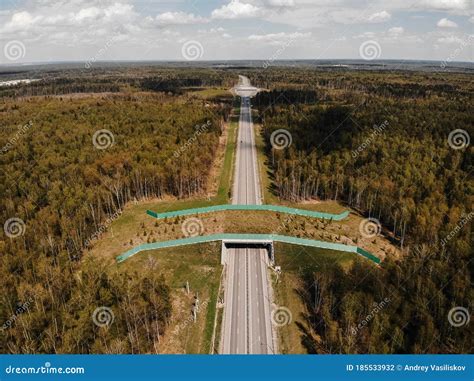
193	30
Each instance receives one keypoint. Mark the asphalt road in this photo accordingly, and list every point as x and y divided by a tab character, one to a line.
247	321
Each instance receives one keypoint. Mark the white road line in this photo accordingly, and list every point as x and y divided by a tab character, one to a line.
248	294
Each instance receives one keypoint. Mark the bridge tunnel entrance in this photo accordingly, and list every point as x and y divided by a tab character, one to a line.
242	244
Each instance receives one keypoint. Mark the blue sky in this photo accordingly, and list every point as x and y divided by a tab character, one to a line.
93	30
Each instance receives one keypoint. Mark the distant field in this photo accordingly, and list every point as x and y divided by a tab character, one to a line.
210	93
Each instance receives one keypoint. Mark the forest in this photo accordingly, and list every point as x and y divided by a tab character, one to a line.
71	161
114	79
78	145
382	144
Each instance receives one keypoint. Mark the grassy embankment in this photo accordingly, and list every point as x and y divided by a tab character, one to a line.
202	270
295	262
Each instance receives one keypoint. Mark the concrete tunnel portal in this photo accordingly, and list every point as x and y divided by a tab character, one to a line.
251	244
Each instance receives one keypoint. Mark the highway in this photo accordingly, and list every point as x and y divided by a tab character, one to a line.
247	323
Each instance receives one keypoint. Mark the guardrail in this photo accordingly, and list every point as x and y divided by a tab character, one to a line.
268	208
249	238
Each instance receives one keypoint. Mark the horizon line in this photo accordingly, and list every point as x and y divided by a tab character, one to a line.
368	62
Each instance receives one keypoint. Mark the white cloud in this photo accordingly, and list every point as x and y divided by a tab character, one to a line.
447	5
366	35
379	17
117	12
235	10
279	38
280	3
63	20
396	31
85	14
179	18
213	31
445	23
21	21
75	29
450	40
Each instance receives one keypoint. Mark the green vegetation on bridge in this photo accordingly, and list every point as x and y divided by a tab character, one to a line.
248	237
268	208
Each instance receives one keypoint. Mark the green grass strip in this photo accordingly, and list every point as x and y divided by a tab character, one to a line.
248	237
267	208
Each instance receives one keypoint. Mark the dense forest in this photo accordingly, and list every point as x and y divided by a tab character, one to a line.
77	145
69	166
113	79
383	144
